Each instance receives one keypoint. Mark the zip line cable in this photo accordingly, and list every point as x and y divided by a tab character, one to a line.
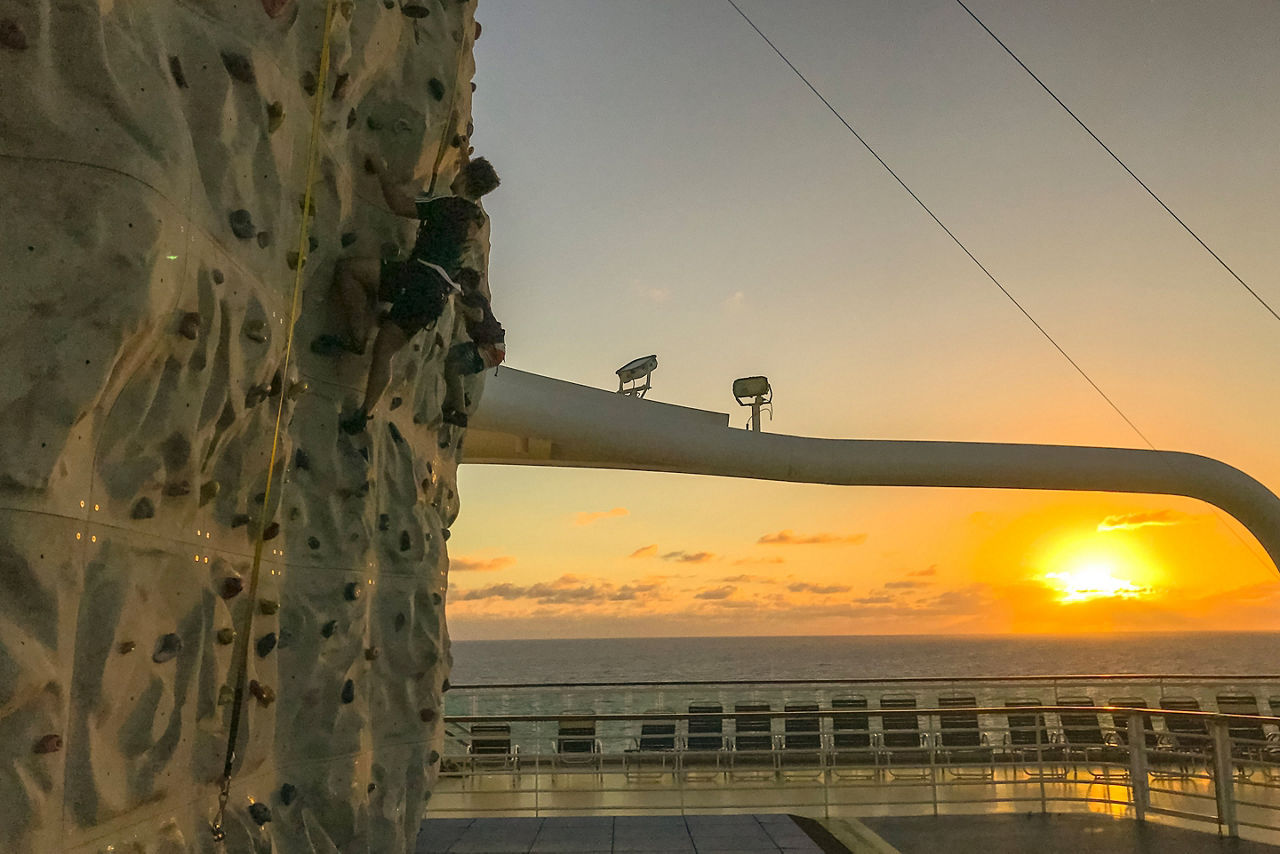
1123	165
948	231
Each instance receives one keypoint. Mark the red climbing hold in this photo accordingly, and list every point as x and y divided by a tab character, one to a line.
274	8
50	743
12	35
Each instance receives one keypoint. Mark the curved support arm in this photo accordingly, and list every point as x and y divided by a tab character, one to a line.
527	419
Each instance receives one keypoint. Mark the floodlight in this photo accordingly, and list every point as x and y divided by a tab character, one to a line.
635	371
756	393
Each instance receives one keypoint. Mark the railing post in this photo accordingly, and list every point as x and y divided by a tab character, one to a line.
1224	781
1138	766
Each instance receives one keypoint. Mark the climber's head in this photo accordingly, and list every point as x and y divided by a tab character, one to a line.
475	179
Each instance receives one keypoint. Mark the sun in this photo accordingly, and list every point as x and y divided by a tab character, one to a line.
1093	581
1088	569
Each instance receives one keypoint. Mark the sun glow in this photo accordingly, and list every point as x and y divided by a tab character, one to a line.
1093	581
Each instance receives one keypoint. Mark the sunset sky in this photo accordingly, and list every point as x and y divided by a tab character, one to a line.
670	187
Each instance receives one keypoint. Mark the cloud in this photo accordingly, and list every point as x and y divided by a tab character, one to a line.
567	589
924	573
806	587
905	585
716	592
742	561
1133	521
588	518
749	579
479	564
650	550
736	300
689	557
788	537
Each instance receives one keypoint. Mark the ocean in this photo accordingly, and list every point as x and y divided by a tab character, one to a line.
630	660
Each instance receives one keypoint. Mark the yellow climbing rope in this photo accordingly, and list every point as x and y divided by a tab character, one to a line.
241	654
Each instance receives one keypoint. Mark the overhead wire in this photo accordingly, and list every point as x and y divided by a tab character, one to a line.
1025	313
1123	165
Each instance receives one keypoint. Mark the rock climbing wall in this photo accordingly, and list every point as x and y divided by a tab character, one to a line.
152	163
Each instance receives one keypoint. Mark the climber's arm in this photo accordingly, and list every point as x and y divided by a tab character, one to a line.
399	195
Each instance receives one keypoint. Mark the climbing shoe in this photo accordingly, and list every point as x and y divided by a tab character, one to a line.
456	418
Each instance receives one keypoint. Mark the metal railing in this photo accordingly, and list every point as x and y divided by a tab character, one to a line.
864	748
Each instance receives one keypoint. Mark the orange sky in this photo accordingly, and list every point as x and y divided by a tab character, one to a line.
670	187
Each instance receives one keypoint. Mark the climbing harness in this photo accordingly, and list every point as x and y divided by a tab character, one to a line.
241	653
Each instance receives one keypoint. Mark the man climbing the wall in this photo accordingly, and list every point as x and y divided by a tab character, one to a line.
418	287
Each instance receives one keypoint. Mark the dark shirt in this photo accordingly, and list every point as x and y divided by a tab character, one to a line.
442	231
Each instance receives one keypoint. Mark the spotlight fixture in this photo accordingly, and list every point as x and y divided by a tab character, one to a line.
636	372
756	393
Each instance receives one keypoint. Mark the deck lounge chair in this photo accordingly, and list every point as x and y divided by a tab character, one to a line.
1121	721
654	751
576	742
1029	742
704	740
904	744
852	752
964	746
489	747
1248	738
801	739
1188	744
1084	739
753	736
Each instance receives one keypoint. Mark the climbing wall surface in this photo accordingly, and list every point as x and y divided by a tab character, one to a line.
152	163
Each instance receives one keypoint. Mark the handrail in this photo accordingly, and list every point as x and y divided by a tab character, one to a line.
887	680
870	712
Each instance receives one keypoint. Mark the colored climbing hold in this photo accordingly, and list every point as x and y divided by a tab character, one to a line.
275	116
471	128
143	509
348	238
436	599
189	326
242	224
287	793
405	542
477	29
286	638
225	635
372	653
427	715
167	648
297	389
400	621
352	591
273	8
348	691
340	86
309	82
262	693
372	124
384	522
271	531
260	812
313	543
50	743
240	519
292	259
225	695
264	239
301	460
239	67
209	491
12	35
268	607
329	628
126	647
231	586
265	644
445	686
445	534
396	402
260	498
395	432
371	787
256	330
433	757
436	88
218	278
254	396
177	488
351	118
414	9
